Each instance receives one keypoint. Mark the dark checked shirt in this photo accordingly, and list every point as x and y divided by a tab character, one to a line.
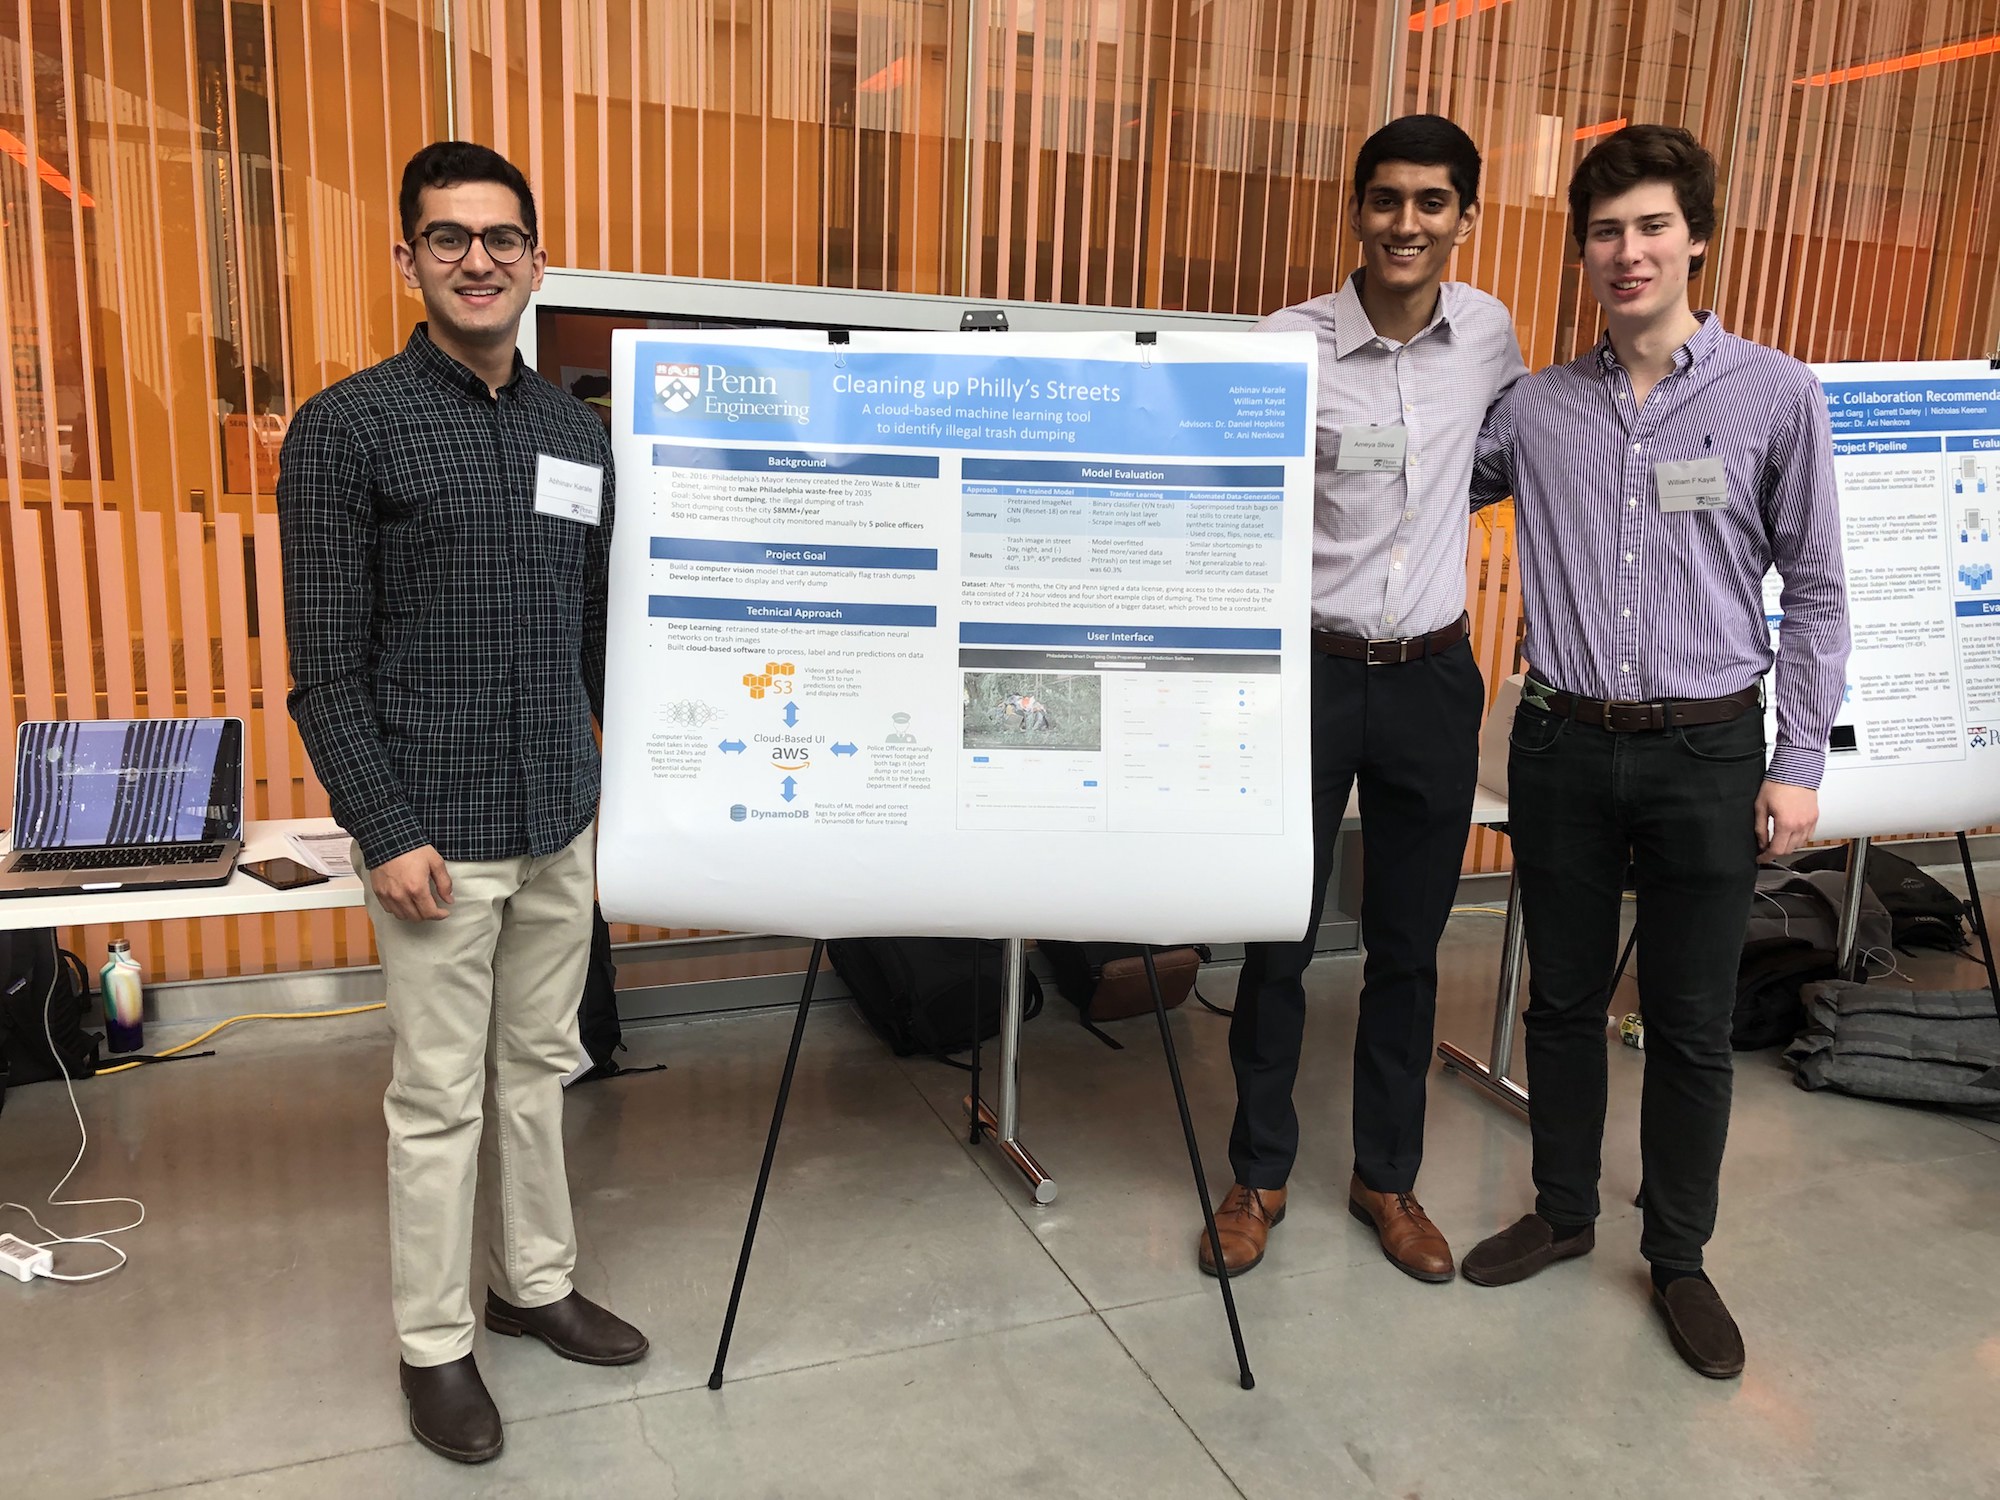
1627	601
447	640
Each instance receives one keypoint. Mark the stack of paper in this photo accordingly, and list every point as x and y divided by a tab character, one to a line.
324	852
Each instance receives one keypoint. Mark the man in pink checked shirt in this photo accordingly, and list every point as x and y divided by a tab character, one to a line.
1658	478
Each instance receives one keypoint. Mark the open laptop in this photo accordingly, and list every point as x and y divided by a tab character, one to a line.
124	804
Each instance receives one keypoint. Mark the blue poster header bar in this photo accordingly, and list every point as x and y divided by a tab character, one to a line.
1979	609
789	611
1875	406
793	461
1868	447
793	554
1117	637
1972	445
842	397
1057	471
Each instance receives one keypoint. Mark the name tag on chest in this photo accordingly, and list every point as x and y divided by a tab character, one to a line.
1374	449
1691	484
572	491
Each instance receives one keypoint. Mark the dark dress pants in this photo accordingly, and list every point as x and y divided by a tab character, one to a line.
1410	735
1676	807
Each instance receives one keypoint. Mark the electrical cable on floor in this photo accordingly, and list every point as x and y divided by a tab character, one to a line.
178	1053
1211	1005
102	1236
141	1059
293	1015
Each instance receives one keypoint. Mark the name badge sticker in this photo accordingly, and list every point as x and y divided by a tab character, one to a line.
1691	484
1373	449
573	491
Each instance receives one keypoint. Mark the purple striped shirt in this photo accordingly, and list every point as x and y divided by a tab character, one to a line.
1626	601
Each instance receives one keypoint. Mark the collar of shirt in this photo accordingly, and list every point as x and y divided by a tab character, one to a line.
448	372
1352	330
1702	343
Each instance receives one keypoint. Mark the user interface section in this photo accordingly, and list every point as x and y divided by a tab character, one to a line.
953	633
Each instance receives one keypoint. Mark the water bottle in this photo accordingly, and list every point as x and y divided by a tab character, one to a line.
123	983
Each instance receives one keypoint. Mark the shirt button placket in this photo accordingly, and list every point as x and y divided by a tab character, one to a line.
1632	559
507	478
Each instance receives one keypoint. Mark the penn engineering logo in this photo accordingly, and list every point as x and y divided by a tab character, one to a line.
676	385
733	393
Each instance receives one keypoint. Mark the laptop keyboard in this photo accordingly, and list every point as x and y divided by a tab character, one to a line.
49	861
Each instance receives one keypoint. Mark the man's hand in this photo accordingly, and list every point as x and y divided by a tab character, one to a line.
415	887
1786	817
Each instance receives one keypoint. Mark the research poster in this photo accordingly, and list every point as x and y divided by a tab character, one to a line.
961	634
1917	459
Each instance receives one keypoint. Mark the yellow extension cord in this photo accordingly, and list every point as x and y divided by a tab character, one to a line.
357	1010
296	1015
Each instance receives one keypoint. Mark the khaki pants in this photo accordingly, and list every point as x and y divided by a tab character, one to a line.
482	1007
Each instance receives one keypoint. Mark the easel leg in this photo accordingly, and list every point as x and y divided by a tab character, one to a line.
1853	964
764	1172
1495	1075
1244	1377
977	1128
1624	960
1979	918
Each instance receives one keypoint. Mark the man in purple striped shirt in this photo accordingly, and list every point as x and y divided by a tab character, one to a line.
1658	478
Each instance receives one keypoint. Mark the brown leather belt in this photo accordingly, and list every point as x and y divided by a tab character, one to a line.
1627	718
1390	652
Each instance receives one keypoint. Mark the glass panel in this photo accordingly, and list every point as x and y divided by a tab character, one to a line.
1860	219
1168	153
1537	83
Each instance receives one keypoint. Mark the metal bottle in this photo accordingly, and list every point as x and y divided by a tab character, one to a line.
123	983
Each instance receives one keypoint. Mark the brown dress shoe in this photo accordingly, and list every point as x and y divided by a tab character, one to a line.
1243	1223
1701	1328
450	1412
1409	1239
576	1328
1523	1248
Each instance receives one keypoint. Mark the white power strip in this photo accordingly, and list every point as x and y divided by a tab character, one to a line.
23	1261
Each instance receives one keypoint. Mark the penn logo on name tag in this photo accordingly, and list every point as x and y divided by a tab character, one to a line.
1691	484
573	491
1373	449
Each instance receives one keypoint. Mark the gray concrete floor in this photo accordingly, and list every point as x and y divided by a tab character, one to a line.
913	1326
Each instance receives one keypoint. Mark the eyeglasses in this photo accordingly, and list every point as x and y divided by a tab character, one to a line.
451	243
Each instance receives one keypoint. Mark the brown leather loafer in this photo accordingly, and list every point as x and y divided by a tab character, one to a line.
1409	1239
1243	1223
576	1328
1703	1332
450	1412
1521	1249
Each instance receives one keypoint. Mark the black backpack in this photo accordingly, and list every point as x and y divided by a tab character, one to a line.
1769	982
1922	913
35	972
1791	941
917	993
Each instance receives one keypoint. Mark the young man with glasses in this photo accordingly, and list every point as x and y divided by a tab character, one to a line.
1408	365
1658	478
446	523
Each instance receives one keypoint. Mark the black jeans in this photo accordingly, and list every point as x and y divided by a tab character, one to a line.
1676	807
1410	735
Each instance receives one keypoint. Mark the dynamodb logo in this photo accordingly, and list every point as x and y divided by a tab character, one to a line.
676	385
